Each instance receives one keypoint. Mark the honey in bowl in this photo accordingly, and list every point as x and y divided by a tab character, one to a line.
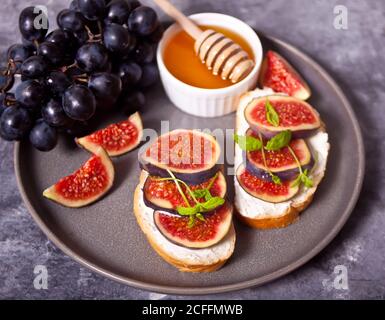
180	59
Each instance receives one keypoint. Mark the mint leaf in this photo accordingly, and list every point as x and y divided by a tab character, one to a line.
191	222
279	141
187	211
212	204
271	114
248	143
200	193
275	179
306	180
297	181
200	217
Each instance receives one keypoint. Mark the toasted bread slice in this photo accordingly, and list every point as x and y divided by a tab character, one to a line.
264	215
185	259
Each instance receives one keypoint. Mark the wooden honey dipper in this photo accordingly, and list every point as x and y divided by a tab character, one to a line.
220	54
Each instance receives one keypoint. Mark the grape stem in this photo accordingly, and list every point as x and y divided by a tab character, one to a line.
179	188
65	68
93	37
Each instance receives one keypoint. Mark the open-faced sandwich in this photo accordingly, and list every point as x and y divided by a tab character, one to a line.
180	202
280	158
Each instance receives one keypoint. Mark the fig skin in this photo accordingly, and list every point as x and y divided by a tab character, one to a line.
291	172
190	176
283	175
224	228
303	92
52	194
91	146
299	131
168	206
264	196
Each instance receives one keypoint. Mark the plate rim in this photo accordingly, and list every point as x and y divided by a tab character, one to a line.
194	290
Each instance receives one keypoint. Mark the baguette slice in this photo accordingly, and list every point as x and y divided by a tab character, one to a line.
185	259
264	215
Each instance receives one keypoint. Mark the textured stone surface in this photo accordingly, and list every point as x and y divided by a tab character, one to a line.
355	57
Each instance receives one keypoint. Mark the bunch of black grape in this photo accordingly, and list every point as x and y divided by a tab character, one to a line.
100	59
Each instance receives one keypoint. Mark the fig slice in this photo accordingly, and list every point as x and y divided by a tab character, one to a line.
164	195
117	138
295	115
191	155
86	185
280	162
202	234
263	189
279	75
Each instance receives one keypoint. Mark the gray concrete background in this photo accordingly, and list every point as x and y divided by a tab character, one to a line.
354	57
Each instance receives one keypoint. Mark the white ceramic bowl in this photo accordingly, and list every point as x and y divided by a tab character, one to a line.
210	102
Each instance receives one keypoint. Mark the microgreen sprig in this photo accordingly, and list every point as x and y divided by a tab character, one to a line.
303	176
195	211
274	177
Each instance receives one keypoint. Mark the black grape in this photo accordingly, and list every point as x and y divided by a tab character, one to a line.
143	21
92	9
155	36
79	102
91	57
150	75
74	5
118	11
62	38
79	129
27	20
70	20
106	87
144	53
116	38
53	114
34	67
130	73
42	136
6	100
19	53
31	94
57	82
15	122
53	53
132	102
81	37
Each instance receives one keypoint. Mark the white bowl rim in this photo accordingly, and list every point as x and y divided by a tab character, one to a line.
233	87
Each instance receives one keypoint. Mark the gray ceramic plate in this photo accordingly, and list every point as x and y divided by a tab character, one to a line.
106	238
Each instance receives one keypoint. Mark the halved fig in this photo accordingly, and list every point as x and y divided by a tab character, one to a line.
280	162
164	195
263	189
86	185
202	234
117	138
190	154
295	115
279	75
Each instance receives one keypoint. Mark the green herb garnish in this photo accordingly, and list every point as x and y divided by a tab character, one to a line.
303	176
275	178
271	114
279	141
195	211
248	143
